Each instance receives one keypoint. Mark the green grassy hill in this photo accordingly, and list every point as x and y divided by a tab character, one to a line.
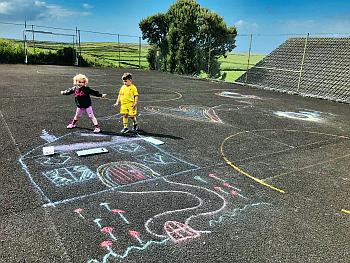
124	55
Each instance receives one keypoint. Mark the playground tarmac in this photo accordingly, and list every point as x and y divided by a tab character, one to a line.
242	174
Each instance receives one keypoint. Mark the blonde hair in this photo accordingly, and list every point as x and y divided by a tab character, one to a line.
80	77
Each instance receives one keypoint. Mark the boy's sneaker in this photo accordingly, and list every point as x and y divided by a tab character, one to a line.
71	126
135	128
97	129
124	130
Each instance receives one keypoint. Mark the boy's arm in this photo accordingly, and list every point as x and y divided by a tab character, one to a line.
68	91
136	101
118	100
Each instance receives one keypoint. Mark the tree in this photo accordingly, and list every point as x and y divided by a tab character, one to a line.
188	38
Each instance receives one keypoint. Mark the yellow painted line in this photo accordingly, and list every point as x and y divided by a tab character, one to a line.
243	172
345	211
287	130
252	177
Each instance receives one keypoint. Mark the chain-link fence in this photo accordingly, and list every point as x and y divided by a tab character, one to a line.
308	64
314	65
42	44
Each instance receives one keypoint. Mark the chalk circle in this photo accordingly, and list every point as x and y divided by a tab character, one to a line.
65	73
124	173
176	95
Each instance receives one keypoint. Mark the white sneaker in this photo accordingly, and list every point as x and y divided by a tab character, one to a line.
124	130
71	126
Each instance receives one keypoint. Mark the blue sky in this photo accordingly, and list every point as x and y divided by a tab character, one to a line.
270	20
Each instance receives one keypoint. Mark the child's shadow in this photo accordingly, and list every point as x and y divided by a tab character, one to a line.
142	133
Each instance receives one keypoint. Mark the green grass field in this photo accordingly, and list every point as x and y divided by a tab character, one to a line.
235	64
129	55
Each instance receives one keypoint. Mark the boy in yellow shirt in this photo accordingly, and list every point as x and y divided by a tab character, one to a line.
128	98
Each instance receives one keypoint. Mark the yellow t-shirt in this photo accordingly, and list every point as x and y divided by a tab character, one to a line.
127	94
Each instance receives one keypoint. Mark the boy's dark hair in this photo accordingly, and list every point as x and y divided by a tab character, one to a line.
126	76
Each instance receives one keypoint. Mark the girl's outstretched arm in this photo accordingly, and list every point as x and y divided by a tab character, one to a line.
68	91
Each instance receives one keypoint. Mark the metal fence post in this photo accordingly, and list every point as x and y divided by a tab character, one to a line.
79	46
302	61
33	39
139	52
118	51
25	43
248	62
75	47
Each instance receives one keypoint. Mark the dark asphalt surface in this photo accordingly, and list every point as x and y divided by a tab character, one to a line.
244	175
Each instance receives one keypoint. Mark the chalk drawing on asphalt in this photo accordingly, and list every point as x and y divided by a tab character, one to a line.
190	112
69	175
179	232
52	174
58	159
47	137
128	148
123	173
235	95
121	238
313	116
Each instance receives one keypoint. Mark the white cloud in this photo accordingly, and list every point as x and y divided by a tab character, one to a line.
5	7
19	10
242	24
322	25
87	6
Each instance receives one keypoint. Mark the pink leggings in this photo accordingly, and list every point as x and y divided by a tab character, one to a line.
79	112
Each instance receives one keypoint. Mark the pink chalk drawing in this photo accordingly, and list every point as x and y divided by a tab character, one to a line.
136	235
179	232
233	193
106	243
120	213
108	230
78	211
124	173
215	177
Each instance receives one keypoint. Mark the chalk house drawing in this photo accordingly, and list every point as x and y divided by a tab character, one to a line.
60	177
